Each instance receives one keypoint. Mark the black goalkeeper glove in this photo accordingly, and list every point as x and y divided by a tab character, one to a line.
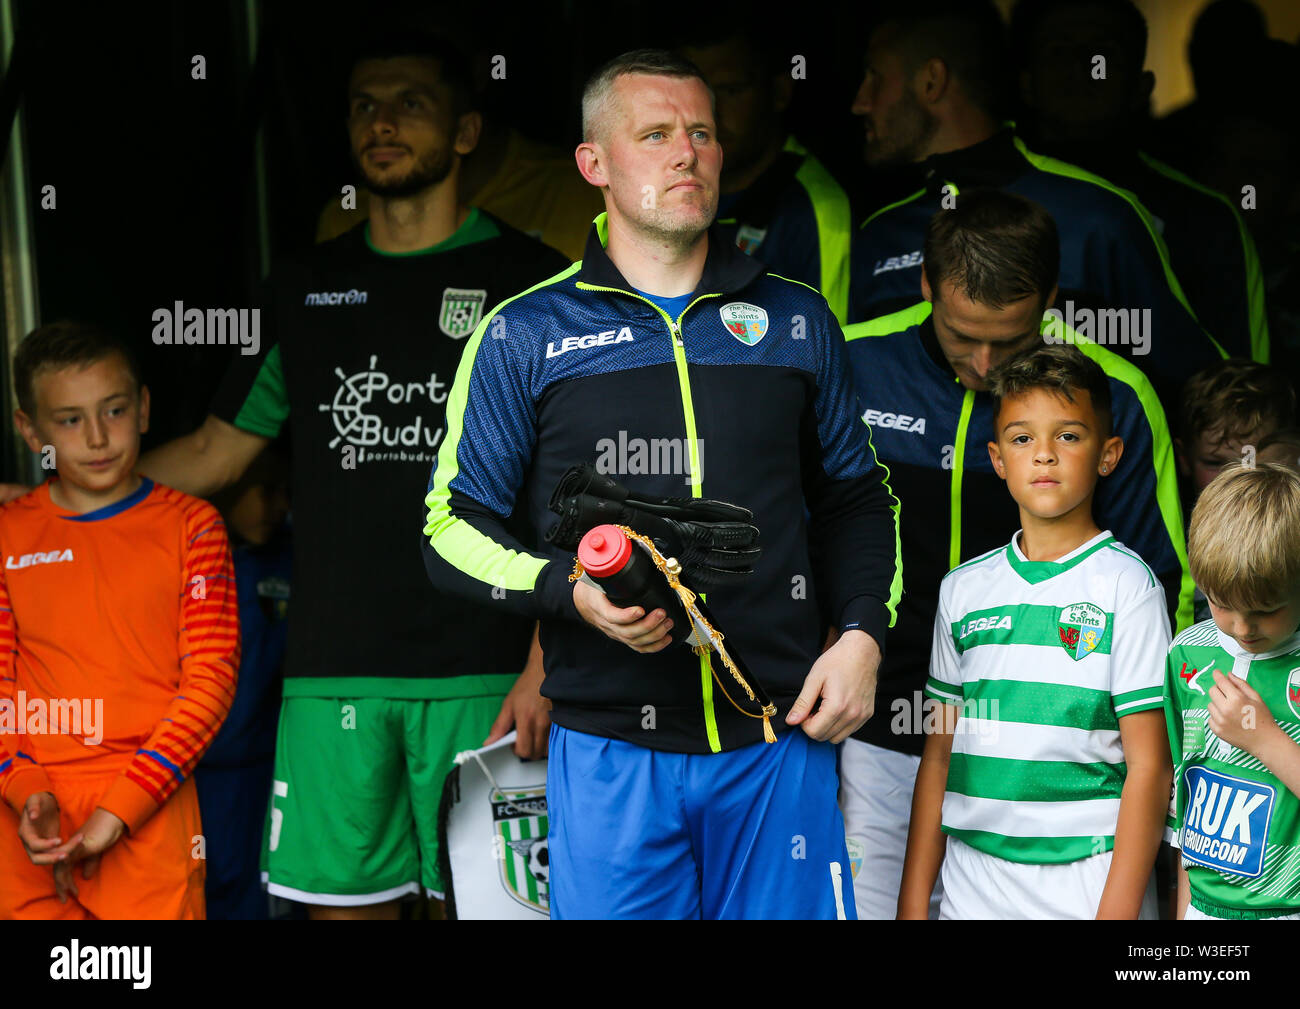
715	542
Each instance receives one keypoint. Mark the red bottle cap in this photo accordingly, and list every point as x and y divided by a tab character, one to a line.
604	551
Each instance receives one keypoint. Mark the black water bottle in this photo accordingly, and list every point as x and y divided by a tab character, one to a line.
629	577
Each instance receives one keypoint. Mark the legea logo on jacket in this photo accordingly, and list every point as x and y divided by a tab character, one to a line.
903	262
897	421
604	339
27	560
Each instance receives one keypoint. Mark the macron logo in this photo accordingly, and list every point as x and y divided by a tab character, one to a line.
604	339
897	421
352	297
27	560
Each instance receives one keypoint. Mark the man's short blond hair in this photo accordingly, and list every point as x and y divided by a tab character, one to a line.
600	86
1244	543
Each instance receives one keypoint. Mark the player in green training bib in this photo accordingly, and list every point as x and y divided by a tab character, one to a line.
1232	702
1045	778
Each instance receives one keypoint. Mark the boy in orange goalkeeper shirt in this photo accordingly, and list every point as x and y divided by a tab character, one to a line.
119	642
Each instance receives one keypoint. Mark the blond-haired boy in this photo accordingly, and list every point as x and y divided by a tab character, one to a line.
1232	702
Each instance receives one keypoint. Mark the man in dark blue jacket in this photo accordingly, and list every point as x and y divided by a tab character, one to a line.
1096	115
990	271
931	98
663	799
778	202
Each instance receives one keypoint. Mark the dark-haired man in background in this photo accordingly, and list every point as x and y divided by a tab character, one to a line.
932	97
386	679
1094	114
778	201
990	272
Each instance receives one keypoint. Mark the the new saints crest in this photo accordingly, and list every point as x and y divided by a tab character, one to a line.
461	311
520	825
1081	626
746	322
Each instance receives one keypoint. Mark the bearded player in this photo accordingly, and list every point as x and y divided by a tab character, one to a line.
386	680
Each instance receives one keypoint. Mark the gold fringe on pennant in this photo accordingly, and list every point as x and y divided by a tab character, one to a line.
672	571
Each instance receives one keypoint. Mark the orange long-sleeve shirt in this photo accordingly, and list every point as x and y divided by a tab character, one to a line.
127	617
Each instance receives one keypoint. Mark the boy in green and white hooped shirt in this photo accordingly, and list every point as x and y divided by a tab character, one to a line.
1044	783
1232	702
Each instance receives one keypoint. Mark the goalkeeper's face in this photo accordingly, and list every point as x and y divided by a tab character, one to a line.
661	157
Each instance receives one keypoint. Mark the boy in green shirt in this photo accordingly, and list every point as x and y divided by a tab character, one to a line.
1232	702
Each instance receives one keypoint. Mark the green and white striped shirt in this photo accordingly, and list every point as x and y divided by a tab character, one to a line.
1043	658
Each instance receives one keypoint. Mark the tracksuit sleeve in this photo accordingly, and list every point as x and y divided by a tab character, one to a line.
1256	313
208	654
1143	278
1139	503
20	775
853	514
481	465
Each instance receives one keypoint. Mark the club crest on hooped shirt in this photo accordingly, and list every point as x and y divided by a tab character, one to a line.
1081	626
460	312
746	322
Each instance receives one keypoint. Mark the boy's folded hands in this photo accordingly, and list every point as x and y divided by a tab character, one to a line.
100	832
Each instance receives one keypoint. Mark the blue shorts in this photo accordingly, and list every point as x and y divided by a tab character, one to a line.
640	833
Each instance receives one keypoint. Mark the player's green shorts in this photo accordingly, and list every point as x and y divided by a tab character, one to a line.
354	807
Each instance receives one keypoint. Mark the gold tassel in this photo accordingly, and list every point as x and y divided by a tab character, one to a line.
672	570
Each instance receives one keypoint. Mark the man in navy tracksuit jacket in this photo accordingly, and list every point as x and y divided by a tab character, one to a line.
929	106
664	800
932	419
1210	247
